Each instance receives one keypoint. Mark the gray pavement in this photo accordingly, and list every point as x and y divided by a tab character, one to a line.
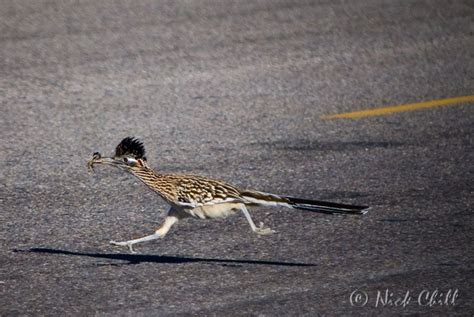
236	90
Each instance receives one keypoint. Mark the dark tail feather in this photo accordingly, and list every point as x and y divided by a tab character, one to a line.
325	207
266	199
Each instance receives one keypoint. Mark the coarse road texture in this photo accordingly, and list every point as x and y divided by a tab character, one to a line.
236	90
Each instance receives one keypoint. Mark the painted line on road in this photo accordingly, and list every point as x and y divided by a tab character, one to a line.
400	108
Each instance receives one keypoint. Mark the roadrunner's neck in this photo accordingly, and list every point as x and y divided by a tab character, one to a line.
157	182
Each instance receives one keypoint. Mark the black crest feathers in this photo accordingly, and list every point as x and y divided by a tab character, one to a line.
131	146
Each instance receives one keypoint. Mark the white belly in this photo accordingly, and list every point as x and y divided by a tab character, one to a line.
215	211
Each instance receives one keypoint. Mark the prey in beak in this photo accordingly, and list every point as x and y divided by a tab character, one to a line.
120	162
96	157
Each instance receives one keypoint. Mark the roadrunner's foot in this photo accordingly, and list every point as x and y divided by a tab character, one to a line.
128	244
261	230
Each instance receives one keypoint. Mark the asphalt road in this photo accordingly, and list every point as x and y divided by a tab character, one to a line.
236	91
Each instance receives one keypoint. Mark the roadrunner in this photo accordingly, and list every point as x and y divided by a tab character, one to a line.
202	197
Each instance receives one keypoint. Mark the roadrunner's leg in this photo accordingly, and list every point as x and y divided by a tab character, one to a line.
170	220
258	230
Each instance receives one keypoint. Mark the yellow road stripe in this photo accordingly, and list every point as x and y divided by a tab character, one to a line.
400	108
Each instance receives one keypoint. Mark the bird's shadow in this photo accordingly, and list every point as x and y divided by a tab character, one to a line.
164	259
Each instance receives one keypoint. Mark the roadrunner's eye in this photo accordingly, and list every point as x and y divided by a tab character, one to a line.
130	161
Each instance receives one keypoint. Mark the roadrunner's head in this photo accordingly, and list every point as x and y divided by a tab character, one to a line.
129	155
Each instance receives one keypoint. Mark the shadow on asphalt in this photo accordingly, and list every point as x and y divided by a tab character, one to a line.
143	258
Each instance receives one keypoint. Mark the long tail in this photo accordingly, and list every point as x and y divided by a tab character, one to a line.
265	199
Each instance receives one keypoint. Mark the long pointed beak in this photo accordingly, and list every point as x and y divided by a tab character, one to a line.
98	159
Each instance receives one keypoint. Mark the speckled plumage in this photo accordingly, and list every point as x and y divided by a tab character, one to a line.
188	190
